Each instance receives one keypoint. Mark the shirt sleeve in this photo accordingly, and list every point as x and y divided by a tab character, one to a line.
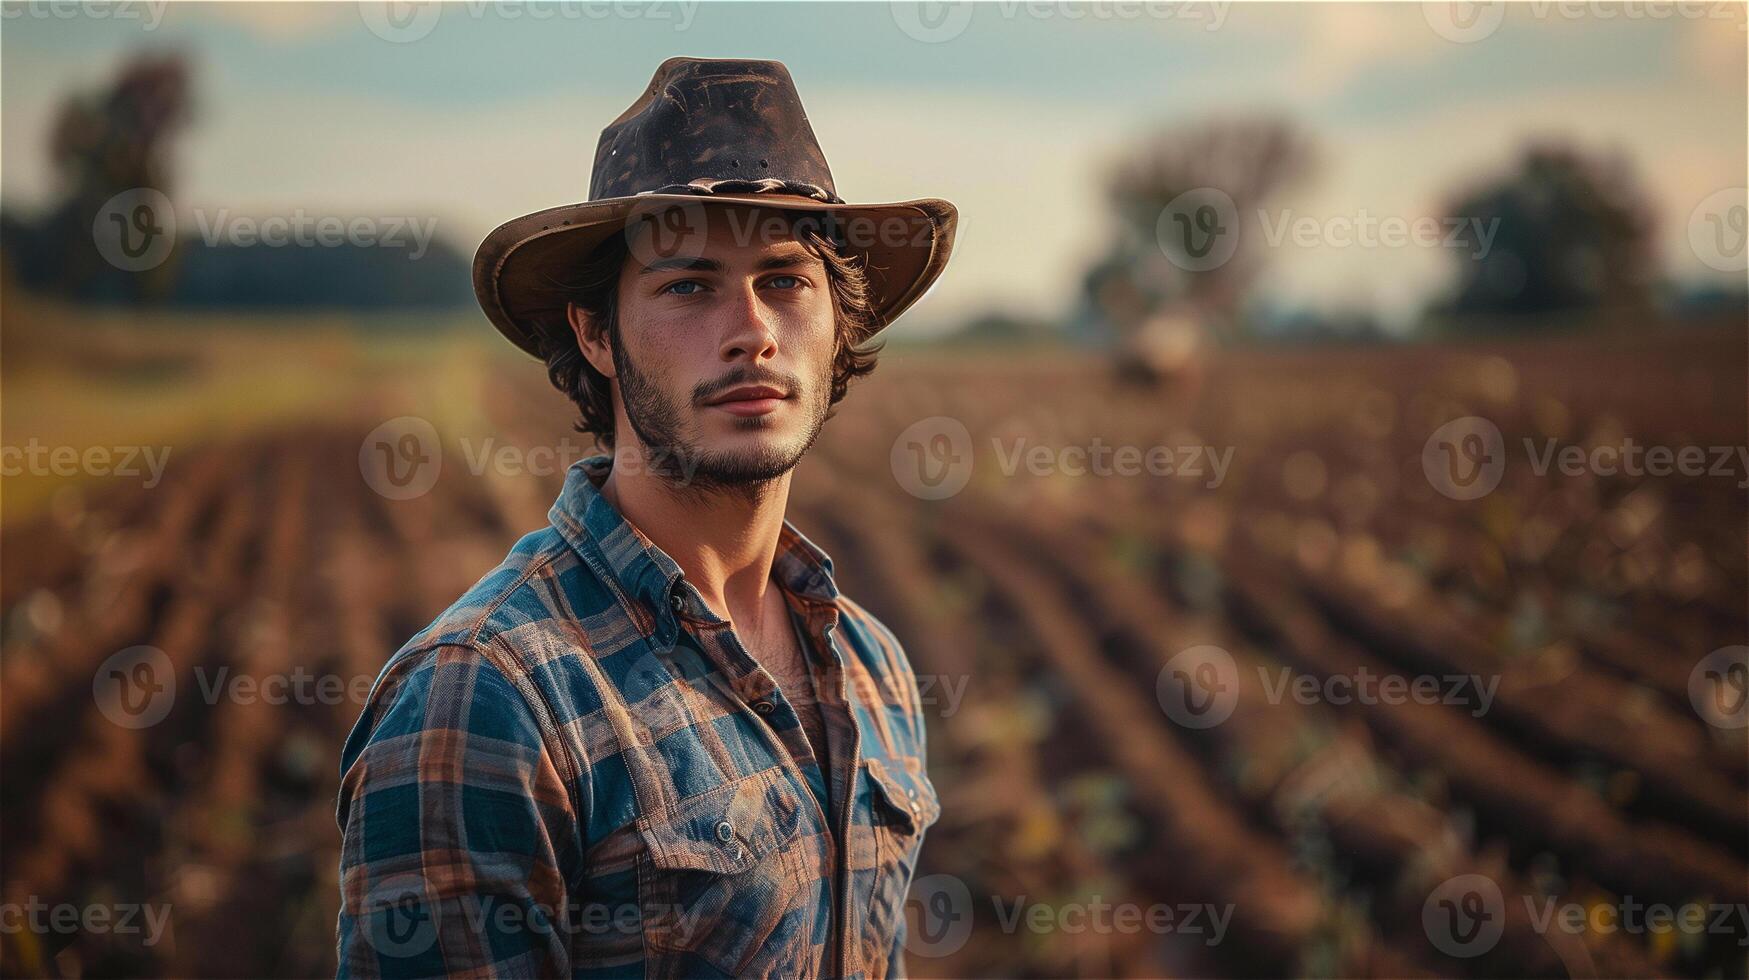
453	821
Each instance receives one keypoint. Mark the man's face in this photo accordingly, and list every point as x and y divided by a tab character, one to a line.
725	351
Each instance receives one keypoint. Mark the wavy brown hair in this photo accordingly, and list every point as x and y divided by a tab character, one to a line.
595	289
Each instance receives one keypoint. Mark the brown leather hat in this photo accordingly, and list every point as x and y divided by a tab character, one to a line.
706	131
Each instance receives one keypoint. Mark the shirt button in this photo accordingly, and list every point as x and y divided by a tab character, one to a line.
725	831
677	602
764	707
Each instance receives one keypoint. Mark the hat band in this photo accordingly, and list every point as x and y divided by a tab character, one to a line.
769	185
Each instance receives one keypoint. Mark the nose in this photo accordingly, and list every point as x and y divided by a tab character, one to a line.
751	329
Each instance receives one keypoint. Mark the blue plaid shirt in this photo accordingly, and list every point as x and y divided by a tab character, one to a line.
578	770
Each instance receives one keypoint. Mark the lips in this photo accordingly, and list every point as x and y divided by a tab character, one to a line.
749	400
748	393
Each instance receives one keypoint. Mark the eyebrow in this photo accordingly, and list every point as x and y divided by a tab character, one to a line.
786	259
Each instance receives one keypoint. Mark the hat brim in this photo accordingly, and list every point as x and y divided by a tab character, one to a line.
524	268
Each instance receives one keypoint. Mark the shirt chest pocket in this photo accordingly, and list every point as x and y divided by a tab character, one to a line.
903	804
720	881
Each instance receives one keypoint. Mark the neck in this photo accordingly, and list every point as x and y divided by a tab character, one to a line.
723	540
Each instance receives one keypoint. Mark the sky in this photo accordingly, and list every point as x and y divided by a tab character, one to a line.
476	113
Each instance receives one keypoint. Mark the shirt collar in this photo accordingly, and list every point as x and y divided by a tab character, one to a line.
613	546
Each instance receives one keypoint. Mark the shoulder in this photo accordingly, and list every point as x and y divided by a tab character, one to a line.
444	720
879	647
443	687
540	580
542	603
487	665
877	651
882	655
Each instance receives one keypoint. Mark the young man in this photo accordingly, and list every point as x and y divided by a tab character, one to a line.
656	740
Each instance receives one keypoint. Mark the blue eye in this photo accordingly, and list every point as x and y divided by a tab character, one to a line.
795	279
684	282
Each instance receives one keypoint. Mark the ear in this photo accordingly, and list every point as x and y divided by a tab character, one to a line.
591	340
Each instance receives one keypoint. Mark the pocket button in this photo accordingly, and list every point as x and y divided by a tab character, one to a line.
725	831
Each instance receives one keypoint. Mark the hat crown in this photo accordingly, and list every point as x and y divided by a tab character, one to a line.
713	124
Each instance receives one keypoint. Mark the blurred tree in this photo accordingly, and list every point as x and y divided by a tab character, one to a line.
1178	270
1569	231
104	144
1180	194
117	140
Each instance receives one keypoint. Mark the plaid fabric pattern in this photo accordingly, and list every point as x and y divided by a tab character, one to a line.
578	770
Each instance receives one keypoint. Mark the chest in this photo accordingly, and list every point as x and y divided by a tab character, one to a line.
707	822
